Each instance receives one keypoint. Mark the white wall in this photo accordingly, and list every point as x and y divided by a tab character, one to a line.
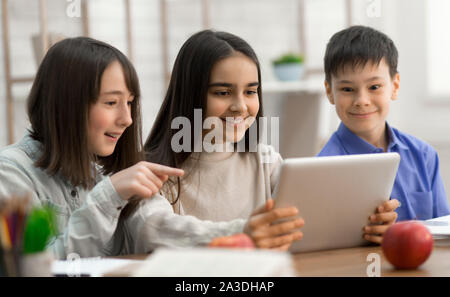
270	26
415	111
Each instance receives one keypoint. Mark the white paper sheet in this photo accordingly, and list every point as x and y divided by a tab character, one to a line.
212	262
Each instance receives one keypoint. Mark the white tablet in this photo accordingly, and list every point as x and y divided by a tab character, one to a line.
335	196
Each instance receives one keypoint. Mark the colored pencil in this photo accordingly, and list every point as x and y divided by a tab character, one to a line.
13	214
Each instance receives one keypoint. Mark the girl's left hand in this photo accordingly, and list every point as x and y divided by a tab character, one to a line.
384	217
267	233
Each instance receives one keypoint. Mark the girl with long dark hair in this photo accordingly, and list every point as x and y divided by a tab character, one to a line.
216	80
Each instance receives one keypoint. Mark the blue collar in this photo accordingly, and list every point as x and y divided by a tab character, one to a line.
354	144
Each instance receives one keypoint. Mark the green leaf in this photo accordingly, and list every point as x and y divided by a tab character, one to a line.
289	58
39	229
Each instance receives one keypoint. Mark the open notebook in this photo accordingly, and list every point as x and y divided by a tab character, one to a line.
440	229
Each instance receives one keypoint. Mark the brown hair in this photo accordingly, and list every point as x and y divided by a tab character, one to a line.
66	85
187	91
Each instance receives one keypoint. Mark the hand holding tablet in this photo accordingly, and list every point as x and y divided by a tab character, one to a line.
335	196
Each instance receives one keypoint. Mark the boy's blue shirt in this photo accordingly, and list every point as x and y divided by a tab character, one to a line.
418	184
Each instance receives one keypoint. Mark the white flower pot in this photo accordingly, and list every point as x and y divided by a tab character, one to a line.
289	72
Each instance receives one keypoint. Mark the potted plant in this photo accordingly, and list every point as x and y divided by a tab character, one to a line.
289	67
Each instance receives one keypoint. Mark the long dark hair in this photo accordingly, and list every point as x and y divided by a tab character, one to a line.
66	85
188	89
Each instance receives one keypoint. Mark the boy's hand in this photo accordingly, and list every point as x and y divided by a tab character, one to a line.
379	222
268	234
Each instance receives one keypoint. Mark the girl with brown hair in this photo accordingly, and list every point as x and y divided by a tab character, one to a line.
82	154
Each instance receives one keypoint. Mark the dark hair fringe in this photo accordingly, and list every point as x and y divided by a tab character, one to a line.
357	45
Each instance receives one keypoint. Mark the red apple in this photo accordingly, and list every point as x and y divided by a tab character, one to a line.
407	244
240	240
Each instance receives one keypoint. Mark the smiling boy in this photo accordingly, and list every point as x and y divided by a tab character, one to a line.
361	80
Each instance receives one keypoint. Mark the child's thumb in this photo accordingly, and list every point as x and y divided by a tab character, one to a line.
269	204
264	208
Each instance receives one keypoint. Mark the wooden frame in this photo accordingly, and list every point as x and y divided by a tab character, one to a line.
164	41
302	31
164	24
8	84
8	75
206	20
128	25
43	18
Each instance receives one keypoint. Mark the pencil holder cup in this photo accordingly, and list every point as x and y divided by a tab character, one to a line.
37	264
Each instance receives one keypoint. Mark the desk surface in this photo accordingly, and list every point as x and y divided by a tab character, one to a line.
353	262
